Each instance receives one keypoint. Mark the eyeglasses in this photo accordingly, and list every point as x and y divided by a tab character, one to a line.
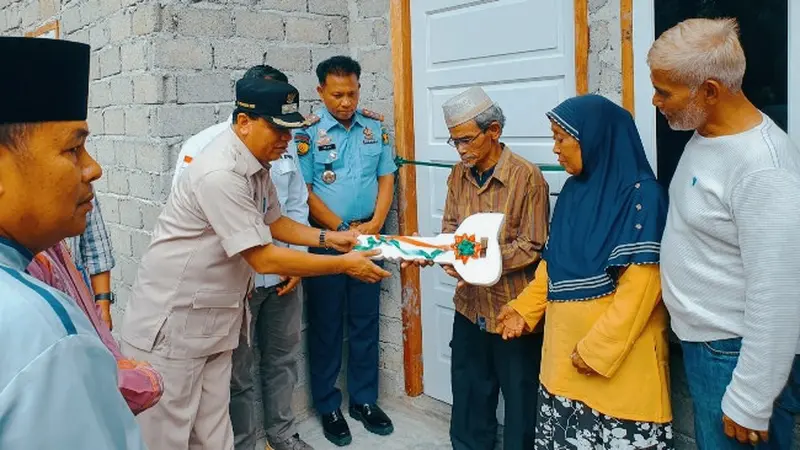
455	143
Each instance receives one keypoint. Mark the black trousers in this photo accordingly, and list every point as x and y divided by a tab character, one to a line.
482	365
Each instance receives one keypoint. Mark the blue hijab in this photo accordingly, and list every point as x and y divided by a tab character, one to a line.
609	216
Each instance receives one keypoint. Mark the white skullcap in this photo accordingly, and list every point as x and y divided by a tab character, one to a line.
466	106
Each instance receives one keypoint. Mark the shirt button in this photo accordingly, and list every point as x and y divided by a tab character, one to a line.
639	207
637	185
638	226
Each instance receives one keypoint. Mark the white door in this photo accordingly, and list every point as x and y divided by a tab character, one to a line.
522	53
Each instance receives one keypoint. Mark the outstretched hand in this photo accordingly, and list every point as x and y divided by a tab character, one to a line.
342	241
450	270
358	265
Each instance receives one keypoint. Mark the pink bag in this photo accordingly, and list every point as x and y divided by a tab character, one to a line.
139	383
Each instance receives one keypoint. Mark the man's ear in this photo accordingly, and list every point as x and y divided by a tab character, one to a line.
494	131
319	91
243	122
711	90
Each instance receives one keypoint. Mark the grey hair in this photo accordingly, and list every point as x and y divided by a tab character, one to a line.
697	50
13	135
494	114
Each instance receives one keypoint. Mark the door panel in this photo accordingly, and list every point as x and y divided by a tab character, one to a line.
521	52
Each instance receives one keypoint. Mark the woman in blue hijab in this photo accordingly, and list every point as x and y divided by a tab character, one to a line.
604	381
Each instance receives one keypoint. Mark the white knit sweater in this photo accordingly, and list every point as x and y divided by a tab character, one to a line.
730	258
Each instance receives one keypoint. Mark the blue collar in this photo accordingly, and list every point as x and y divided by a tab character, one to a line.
14	255
327	121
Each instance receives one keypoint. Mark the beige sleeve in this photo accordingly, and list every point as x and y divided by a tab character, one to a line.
273	211
228	204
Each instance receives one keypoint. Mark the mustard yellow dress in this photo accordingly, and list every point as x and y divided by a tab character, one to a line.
623	337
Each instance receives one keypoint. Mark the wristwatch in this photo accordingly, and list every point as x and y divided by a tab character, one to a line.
344	226
108	296
322	234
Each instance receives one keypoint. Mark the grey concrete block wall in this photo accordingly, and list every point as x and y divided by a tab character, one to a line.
123	91
605	65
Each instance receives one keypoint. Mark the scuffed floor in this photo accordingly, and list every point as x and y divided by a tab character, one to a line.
420	424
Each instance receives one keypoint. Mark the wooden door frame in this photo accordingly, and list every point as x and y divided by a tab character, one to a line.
400	25
636	73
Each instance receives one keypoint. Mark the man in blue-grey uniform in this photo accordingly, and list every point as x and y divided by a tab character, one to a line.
58	382
348	165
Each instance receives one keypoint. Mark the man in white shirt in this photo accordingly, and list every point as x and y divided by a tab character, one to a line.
275	307
731	248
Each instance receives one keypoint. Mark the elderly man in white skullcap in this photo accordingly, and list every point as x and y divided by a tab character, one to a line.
730	256
491	178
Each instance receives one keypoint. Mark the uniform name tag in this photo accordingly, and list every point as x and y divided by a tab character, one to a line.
323	148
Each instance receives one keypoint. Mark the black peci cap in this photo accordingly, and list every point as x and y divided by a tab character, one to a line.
43	80
275	101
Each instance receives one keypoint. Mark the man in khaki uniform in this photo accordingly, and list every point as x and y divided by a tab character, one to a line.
187	307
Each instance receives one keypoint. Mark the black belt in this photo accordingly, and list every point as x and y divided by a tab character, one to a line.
355	223
352	223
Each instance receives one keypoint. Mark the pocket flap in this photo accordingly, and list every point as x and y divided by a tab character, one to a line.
216	299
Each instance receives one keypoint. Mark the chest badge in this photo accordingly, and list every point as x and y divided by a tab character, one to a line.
384	136
323	138
369	137
329	176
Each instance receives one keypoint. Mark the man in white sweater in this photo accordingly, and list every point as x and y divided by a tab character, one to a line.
731	249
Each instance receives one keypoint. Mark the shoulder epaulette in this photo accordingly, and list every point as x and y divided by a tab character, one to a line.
312	119
372	115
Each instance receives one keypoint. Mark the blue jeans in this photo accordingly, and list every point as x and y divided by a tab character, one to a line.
709	369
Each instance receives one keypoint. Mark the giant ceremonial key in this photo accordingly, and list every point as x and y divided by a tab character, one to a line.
473	250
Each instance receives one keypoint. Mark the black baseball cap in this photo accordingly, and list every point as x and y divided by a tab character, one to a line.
43	80
275	101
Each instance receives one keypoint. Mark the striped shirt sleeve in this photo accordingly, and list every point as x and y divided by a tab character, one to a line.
95	251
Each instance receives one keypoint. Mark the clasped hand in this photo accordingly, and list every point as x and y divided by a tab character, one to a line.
743	434
511	324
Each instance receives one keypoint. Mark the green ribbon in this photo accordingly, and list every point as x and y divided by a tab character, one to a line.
373	243
402	161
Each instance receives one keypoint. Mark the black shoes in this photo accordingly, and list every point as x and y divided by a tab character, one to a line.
336	429
374	419
372	416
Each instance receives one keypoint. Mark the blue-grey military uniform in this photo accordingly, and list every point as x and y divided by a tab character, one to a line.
58	381
357	157
343	166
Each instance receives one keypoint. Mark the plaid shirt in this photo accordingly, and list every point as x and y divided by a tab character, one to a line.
518	189
92	251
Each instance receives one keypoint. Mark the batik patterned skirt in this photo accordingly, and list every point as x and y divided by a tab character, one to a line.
565	424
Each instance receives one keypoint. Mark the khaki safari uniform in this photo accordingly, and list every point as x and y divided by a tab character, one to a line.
188	302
